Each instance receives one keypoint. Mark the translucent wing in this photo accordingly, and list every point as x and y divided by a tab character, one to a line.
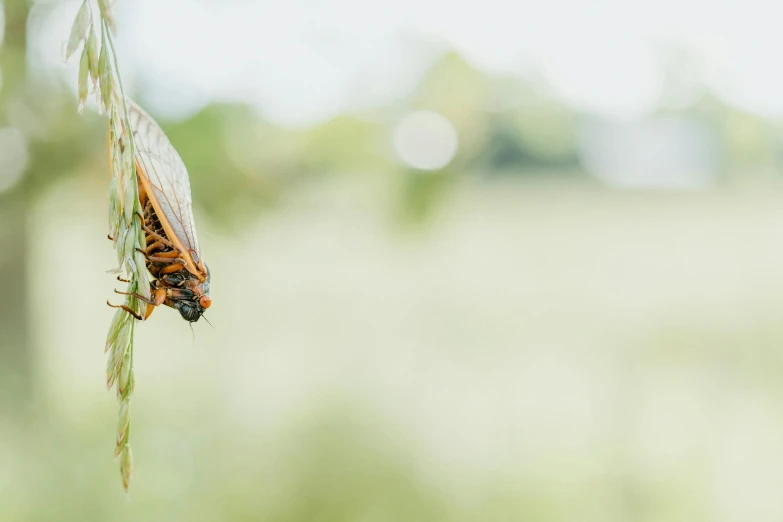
167	176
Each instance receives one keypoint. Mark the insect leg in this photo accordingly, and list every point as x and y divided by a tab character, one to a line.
166	257
132	312
158	296
157	236
176	267
171	254
157	245
140	297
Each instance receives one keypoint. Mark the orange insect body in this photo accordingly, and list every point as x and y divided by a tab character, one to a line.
181	277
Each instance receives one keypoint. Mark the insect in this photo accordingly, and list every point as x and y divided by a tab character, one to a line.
181	277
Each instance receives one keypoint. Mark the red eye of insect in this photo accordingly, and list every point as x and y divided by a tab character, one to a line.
205	301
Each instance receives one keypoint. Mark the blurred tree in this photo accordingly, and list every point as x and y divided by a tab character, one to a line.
345	145
748	142
421	192
504	124
457	91
749	139
461	93
52	141
231	159
547	130
14	210
504	150
539	134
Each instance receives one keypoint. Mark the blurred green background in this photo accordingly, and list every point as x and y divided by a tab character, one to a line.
478	299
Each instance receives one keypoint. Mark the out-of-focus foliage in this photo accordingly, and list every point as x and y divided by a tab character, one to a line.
234	160
549	352
460	92
346	145
332	465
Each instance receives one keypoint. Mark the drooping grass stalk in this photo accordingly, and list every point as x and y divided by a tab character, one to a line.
124	208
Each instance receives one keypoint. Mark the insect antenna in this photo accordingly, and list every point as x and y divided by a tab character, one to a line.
207	320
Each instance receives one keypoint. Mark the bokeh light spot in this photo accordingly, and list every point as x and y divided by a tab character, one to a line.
425	140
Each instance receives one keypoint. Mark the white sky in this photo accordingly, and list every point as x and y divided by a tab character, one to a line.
301	61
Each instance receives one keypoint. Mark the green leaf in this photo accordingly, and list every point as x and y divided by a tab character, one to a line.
105	78
79	29
92	55
126	463
105	6
84	74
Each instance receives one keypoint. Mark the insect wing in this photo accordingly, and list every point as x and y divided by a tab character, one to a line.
167	180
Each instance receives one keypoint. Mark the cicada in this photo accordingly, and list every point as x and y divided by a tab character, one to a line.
180	275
